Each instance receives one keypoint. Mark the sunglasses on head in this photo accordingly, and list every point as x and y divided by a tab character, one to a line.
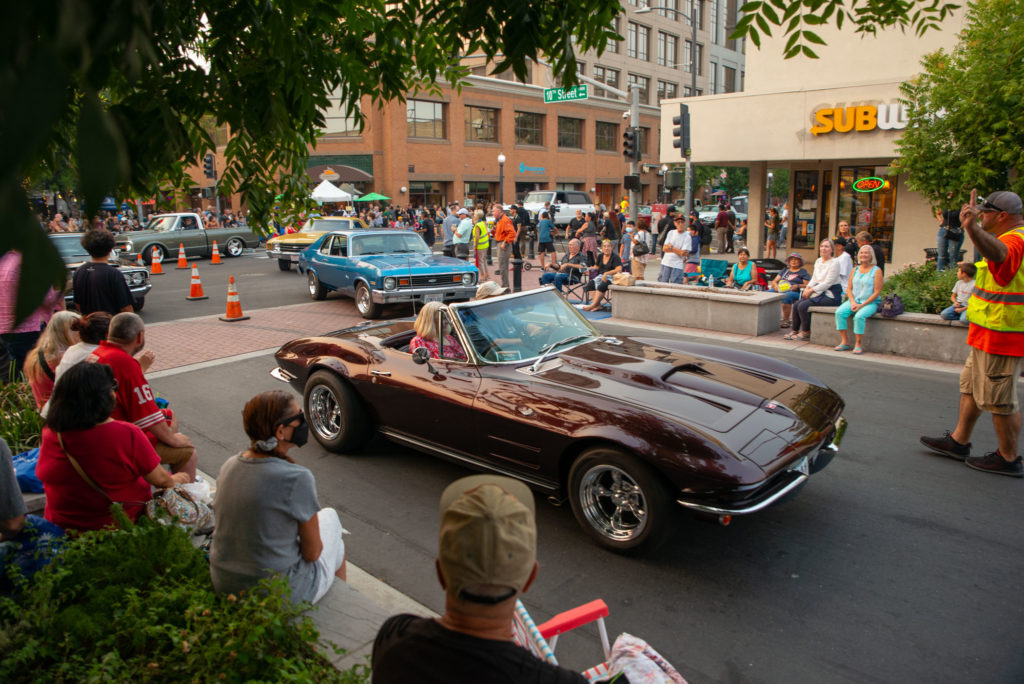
990	206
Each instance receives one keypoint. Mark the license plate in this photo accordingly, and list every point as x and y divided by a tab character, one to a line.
433	298
294	257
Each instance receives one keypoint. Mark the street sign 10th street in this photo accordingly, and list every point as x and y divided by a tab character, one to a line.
562	94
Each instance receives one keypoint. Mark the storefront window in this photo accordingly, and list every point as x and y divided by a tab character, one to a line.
803	215
425	193
479	194
871	211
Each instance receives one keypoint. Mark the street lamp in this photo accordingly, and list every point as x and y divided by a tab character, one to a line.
501	178
770	175
664	182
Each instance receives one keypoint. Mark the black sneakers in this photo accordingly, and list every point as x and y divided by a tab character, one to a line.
992	462
947	446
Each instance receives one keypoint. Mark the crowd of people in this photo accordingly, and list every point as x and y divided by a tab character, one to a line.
125	221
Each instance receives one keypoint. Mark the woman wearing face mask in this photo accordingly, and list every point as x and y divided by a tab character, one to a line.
269	520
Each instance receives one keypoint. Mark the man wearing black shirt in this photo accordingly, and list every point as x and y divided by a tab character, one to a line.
487	556
427	229
98	285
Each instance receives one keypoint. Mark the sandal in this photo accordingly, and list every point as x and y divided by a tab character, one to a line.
790	336
785	323
804	337
858	350
842	347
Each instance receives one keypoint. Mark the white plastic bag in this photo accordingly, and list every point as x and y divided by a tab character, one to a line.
199	490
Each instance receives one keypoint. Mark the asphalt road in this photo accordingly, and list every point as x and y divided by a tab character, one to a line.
260	285
891	565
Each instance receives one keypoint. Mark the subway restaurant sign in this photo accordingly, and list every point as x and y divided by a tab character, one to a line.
860	118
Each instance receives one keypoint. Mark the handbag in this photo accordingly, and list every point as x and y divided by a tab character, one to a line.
640	249
891	306
173	505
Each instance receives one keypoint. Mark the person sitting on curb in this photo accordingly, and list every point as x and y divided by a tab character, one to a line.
126	337
790	282
487	556
569	269
864	288
961	293
988	381
269	519
743	274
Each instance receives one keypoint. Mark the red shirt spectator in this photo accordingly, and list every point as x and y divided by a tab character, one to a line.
135	401
115	455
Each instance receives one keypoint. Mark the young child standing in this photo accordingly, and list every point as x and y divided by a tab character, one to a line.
961	293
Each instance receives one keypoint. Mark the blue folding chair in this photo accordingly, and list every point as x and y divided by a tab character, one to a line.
713	269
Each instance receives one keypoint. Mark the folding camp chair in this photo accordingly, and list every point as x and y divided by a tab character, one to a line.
713	269
541	640
577	285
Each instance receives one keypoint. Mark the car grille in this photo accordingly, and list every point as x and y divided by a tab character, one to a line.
438	280
284	247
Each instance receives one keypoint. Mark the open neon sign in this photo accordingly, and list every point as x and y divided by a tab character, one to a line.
869	184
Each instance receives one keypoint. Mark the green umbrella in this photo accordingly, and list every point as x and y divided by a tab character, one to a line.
373	196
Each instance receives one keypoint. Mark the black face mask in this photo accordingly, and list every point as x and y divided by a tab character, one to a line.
300	434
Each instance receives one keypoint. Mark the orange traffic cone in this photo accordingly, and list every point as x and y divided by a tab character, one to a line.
181	256
139	261
234	310
196	290
215	259
156	268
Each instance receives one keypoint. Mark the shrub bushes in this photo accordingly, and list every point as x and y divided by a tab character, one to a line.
137	604
20	422
922	288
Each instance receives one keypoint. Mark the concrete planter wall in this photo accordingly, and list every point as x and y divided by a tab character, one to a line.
694	306
915	335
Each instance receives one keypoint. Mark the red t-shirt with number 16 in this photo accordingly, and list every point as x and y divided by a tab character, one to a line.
135	402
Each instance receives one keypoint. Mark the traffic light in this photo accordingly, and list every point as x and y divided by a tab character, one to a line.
631	144
681	132
208	169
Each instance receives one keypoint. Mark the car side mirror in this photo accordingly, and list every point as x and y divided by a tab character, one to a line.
421	356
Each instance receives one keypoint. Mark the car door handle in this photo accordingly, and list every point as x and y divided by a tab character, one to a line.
385	374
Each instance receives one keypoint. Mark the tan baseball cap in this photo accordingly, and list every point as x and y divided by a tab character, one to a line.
488	533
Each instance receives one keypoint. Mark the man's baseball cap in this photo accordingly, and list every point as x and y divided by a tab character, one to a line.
488	533
489	289
1002	200
679	218
463	210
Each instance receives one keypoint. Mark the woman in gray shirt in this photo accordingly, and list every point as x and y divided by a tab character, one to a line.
269	520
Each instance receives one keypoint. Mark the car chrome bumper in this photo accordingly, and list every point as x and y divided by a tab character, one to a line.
278	254
281	374
794	478
425	294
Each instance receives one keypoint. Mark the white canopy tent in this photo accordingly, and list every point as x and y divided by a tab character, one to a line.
328	192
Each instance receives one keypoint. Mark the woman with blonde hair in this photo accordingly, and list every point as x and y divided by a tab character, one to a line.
429	337
481	240
44	357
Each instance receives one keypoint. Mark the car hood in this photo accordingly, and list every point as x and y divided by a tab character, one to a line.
708	387
298	238
416	262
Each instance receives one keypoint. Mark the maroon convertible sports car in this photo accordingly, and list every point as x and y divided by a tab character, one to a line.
623	427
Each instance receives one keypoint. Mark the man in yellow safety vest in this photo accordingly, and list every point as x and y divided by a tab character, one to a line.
995	310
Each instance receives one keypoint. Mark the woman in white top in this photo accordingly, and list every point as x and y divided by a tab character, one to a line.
845	268
822	290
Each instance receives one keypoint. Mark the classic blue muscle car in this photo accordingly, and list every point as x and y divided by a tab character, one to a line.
384	267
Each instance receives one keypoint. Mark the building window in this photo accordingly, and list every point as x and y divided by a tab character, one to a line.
425	119
730	80
570	133
640	3
645	87
613	45
870	211
529	128
645	134
715	14
337	124
667	90
668	48
638	41
605	75
687	56
699	57
606	136
713	78
481	124
669	4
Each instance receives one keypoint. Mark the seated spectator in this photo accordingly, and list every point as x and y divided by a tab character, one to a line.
864	289
44	357
91	330
569	270
961	293
269	519
823	289
487	556
790	282
114	455
608	266
845	261
428	336
743	274
126	337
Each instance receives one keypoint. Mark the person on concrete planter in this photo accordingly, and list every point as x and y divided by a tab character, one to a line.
863	291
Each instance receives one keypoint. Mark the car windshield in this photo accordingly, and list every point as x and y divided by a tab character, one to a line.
69	245
388	243
325	225
538	197
522	328
161	223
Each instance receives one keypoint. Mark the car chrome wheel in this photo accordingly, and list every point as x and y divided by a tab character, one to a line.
324	413
613	503
234	247
364	301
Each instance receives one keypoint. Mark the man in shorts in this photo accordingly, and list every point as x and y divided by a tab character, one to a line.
545	244
674	253
995	310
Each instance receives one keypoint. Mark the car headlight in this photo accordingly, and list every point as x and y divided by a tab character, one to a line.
467	278
128	247
389	283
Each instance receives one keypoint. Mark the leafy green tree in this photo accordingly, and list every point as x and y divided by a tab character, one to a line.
780	183
736	180
966	124
797	19
126	86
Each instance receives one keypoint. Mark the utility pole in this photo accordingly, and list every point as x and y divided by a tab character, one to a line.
634	165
